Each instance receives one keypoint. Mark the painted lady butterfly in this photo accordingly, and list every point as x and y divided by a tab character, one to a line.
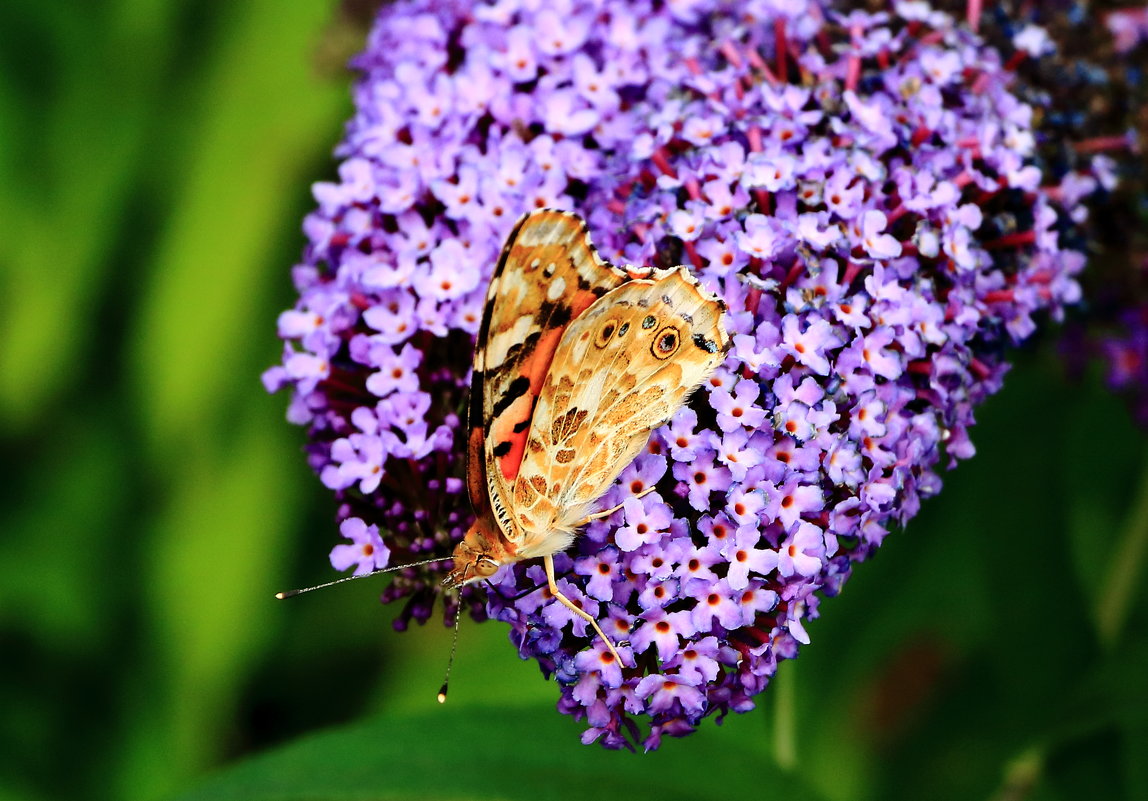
577	362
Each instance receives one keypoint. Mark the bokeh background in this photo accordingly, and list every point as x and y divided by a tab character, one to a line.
155	161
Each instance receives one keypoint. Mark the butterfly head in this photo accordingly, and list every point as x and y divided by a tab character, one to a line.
469	565
477	557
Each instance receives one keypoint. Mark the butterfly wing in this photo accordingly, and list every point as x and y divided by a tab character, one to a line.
548	275
622	369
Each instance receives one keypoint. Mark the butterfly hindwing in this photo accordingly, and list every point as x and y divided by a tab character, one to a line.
622	368
547	276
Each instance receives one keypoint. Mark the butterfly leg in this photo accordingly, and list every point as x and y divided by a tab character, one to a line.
548	561
612	509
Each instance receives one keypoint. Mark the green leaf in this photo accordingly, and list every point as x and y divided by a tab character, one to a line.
216	550
69	154
496	753
1127	555
261	118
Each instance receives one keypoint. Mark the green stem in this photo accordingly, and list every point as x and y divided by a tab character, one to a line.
1123	576
785	719
1021	776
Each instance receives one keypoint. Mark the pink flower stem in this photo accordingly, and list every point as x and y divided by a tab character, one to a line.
1099	144
979	369
896	214
752	299
853	70
851	270
974	14
753	135
794	272
823	44
988	194
758	63
1016	60
782	46
764	201
731	54
1013	240
853	73
695	259
661	160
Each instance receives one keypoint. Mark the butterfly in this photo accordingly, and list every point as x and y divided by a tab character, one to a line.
576	362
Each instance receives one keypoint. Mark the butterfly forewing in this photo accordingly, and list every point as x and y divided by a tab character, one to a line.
621	369
549	274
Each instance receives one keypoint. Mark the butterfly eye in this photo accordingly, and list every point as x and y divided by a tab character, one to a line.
666	343
484	568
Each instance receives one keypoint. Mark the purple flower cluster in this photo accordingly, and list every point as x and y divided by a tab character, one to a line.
859	188
1093	93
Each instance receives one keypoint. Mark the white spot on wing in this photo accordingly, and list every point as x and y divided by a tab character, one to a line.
501	342
556	289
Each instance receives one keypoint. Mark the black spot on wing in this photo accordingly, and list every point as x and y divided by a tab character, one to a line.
708	345
521	426
501	449
513	392
520	350
556	315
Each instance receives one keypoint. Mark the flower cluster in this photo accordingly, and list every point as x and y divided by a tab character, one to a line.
861	189
1095	94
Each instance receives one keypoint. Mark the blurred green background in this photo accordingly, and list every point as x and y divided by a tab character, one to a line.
155	162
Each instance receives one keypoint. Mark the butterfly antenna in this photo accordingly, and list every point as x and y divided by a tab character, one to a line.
293	593
450	659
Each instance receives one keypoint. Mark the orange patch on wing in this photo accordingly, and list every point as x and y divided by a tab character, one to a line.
502	431
534	367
